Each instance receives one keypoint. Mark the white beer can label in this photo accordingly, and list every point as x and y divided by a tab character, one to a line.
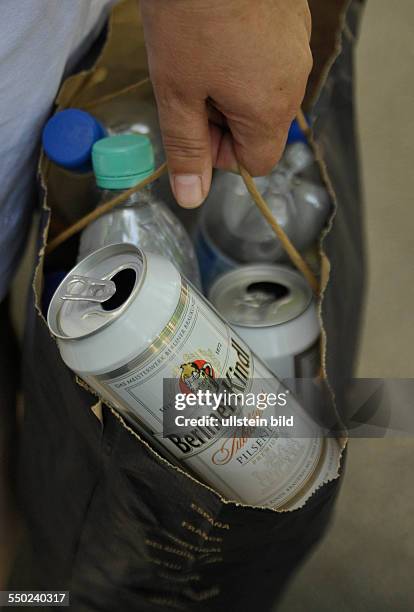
194	351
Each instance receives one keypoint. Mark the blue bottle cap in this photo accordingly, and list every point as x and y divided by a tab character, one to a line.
68	138
296	134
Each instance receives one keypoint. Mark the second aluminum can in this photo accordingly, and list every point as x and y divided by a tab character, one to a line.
272	308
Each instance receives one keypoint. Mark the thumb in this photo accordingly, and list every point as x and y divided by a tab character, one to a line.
186	138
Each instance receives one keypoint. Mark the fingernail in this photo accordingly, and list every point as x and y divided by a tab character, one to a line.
188	190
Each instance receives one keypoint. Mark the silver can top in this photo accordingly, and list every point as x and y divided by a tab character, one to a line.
261	295
97	291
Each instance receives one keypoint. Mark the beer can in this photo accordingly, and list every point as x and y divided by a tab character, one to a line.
126	321
272	308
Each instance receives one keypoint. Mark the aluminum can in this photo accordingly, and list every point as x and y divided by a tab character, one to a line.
126	321
272	309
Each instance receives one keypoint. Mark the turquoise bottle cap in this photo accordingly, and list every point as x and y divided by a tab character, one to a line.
120	162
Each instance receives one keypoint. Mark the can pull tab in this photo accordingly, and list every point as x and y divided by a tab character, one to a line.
85	288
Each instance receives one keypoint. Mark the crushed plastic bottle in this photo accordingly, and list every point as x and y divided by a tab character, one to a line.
235	231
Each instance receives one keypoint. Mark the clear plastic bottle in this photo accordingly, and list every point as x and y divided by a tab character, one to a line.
297	179
120	162
232	229
252	238
217	244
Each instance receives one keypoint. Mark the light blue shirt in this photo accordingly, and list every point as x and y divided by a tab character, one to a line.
40	42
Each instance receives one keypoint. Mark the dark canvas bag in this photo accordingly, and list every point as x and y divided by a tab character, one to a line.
108	519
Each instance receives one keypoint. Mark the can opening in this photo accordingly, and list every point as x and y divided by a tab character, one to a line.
124	282
272	291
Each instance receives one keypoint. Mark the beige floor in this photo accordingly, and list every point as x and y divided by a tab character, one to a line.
366	563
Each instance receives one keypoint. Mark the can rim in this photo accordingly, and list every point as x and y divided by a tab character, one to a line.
55	305
228	279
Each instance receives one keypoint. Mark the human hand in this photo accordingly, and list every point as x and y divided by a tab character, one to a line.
229	77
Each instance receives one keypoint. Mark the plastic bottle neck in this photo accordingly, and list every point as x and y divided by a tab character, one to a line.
137	199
